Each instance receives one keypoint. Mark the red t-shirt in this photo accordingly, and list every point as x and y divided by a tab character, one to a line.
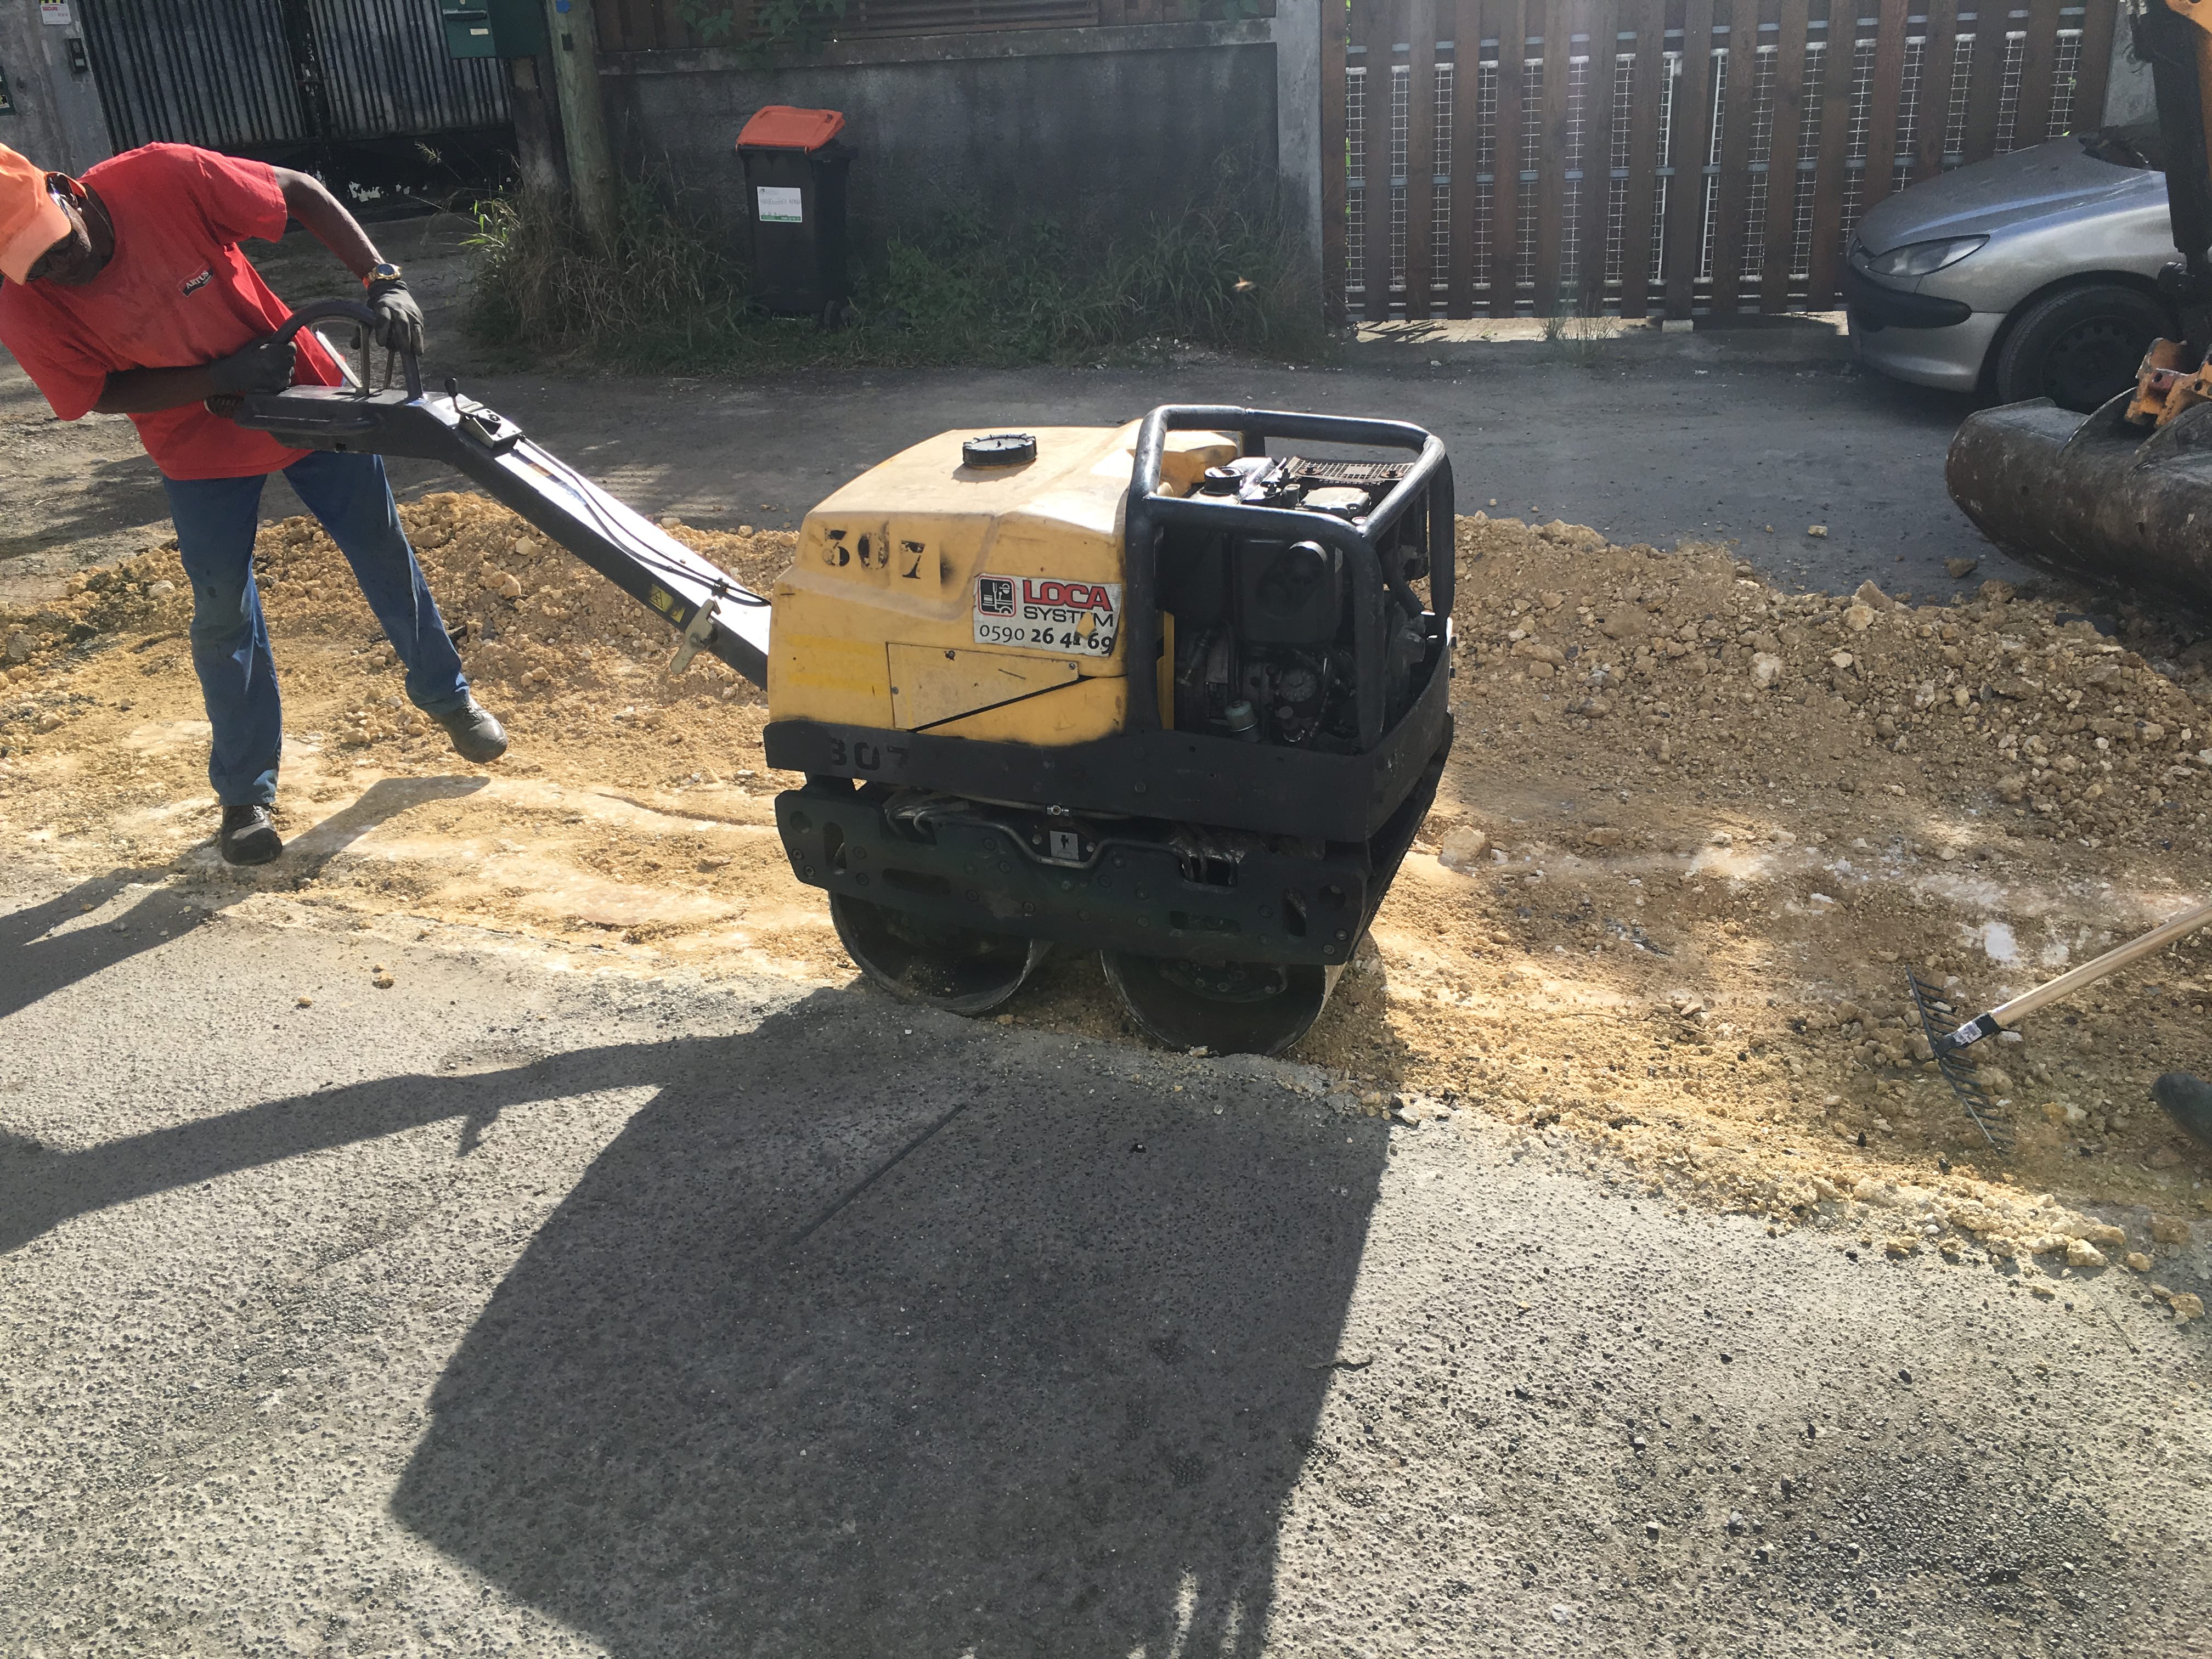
176	293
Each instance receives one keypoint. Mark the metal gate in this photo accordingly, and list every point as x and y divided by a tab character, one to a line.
333	82
1663	155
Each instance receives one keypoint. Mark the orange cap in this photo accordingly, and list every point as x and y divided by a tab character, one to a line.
31	221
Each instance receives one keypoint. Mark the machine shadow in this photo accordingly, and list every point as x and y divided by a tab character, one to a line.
813	1369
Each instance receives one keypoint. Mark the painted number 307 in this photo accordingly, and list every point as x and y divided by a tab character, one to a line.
864	756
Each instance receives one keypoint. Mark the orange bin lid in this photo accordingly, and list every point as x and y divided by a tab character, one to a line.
779	126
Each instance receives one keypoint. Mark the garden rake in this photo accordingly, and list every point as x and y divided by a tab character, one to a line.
1949	1038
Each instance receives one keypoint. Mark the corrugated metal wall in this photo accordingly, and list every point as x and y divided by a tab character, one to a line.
245	74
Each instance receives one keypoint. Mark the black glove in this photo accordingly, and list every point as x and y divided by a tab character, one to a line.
399	320
264	366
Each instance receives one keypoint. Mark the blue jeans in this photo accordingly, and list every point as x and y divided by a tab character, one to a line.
216	520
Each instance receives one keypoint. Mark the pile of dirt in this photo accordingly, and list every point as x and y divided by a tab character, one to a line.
537	624
2097	740
548	642
1693	832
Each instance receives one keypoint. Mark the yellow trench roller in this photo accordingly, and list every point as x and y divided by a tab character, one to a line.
1164	690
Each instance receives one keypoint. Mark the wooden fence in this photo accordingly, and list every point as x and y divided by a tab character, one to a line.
1673	155
658	25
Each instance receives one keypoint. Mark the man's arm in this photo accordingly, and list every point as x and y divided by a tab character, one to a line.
144	391
328	222
264	366
399	326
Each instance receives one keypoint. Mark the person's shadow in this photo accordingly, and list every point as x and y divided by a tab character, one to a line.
855	1342
36	961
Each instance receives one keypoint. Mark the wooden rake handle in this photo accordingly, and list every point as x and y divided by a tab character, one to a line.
2005	1016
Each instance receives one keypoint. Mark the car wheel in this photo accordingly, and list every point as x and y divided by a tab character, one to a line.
2079	347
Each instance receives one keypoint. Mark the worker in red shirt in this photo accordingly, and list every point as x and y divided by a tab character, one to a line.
125	292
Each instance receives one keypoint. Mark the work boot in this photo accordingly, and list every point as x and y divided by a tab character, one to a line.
2188	1101
247	837
477	733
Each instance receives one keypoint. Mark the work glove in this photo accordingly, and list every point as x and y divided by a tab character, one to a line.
264	366
398	319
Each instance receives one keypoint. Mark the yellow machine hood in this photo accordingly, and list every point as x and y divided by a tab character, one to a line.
931	595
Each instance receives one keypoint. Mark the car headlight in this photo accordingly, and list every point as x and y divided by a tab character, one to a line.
1920	259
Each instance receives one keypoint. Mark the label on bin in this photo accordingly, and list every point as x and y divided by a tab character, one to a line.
779	205
1078	618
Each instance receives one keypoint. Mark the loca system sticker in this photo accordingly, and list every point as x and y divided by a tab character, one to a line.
1041	614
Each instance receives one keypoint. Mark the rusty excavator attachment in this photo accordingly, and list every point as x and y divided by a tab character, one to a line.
2125	495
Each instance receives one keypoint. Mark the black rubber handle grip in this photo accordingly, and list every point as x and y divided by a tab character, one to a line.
350	311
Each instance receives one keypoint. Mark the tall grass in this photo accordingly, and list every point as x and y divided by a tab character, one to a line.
665	289
1580	337
959	289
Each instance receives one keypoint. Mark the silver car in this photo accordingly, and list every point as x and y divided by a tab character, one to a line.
2030	276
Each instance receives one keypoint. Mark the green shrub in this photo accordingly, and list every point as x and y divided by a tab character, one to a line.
664	289
960	290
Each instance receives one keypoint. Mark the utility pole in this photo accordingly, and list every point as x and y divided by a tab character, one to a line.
531	99
575	54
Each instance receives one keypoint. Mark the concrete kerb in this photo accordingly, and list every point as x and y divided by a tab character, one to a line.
1793	336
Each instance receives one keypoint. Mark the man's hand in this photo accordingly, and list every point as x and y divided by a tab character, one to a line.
399	320
264	366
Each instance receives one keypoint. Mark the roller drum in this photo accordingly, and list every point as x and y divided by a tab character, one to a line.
1227	1008
918	959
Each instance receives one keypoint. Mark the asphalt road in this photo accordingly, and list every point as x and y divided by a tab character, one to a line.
1703	440
516	1311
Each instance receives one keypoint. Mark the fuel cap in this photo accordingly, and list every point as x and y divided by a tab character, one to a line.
999	449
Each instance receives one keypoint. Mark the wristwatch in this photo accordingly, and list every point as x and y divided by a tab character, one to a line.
384	271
